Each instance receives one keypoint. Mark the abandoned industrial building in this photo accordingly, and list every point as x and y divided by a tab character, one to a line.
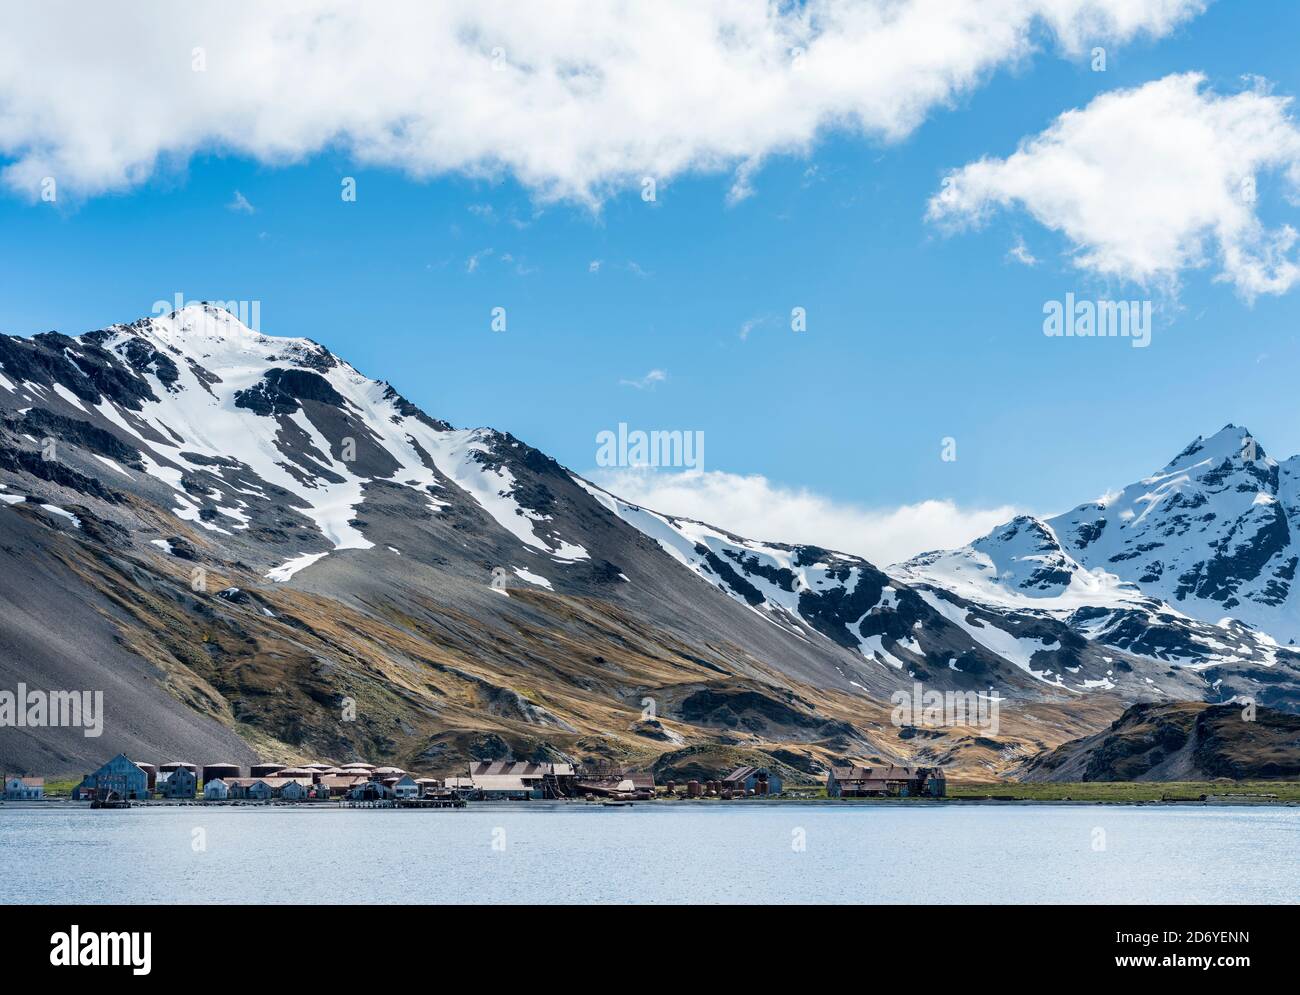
885	782
122	780
23	789
753	780
117	780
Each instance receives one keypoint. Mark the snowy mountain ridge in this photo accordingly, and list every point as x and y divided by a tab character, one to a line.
1215	534
191	441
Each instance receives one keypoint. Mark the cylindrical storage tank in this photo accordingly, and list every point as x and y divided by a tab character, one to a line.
265	770
151	772
693	789
212	772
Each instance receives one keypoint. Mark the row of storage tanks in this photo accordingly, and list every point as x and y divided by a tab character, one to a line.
213	771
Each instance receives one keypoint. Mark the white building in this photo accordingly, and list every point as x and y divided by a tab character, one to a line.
406	787
24	788
216	791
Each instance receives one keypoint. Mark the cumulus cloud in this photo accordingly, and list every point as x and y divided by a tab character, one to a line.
754	507
1149	182
572	98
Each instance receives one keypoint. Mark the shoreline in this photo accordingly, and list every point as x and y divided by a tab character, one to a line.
1219	801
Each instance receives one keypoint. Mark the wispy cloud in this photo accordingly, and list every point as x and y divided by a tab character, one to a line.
593	266
472	263
521	267
648	381
239	204
750	324
1021	254
742	184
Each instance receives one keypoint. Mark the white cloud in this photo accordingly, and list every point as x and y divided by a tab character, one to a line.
471	264
753	507
1150	182
593	266
1021	254
649	380
240	205
573	98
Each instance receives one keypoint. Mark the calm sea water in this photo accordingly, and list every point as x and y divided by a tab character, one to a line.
649	854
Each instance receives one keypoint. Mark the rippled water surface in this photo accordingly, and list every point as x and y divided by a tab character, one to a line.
652	853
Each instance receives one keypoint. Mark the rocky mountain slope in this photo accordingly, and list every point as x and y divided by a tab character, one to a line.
1180	741
243	535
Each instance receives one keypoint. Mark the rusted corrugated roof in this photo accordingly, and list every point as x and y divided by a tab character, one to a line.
887	773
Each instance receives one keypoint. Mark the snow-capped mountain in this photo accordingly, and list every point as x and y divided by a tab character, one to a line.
816	593
1193	565
258	532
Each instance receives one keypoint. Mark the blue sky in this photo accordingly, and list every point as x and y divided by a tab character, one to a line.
915	332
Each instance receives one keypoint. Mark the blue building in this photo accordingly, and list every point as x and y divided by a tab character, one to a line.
180	783
119	776
759	780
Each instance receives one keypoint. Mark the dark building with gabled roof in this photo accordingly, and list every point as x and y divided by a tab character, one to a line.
885	781
759	780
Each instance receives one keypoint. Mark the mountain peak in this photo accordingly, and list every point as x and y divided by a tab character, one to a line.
1228	442
224	339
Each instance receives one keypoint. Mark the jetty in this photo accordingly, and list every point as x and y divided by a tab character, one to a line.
451	802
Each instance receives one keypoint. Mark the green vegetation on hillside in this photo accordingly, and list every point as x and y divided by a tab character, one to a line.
1122	791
